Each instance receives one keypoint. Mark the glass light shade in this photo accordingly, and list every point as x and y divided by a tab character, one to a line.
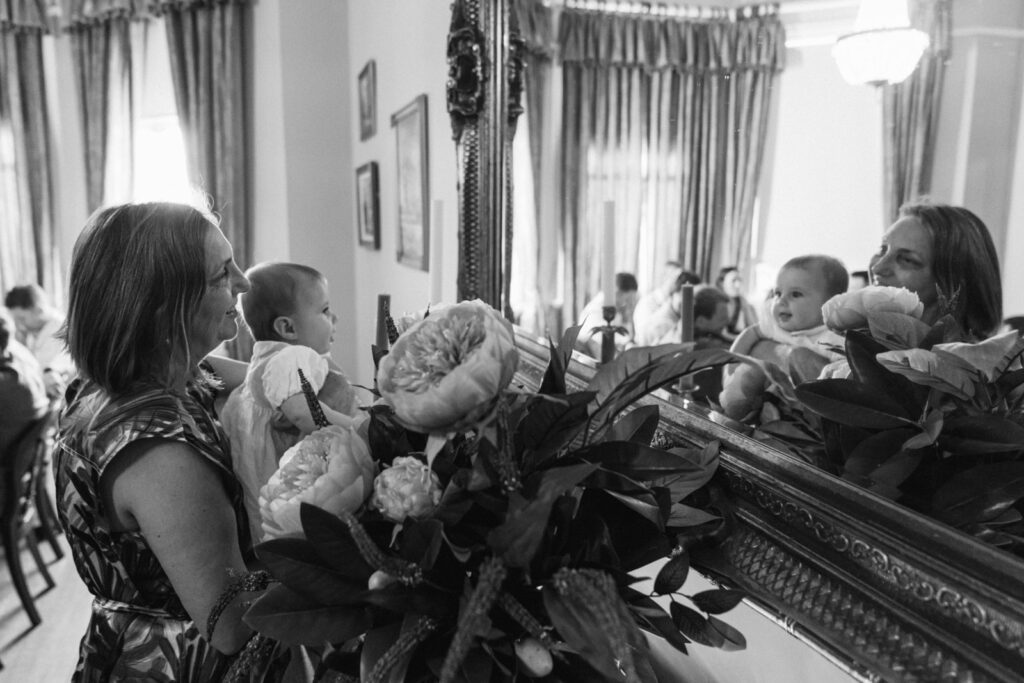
879	56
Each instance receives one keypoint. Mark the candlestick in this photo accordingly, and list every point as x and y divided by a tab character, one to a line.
436	230
608	334
686	313
383	310
608	254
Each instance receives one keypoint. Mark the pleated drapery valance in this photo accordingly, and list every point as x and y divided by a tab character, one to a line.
51	15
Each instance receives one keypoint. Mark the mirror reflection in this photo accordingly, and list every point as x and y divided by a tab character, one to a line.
719	143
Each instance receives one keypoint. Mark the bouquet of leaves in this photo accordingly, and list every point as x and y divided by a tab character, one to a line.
504	526
921	414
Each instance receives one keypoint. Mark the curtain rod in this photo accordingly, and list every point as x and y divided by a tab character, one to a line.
667	10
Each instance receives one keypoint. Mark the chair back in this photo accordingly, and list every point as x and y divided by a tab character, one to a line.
23	464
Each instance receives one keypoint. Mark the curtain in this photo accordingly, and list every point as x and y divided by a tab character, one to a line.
28	251
665	113
910	111
207	46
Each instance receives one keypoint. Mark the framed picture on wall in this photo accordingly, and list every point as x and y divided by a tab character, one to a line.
410	124
368	100
368	205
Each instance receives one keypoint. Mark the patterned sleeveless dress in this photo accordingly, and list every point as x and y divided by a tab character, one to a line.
139	630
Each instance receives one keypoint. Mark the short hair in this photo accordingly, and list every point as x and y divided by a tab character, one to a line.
25	296
137	278
837	279
706	300
6	328
626	282
722	272
964	261
687	277
273	292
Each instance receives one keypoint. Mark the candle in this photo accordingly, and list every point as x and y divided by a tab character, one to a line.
686	313
608	254
436	230
383	310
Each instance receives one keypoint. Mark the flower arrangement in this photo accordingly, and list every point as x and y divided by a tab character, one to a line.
921	414
504	527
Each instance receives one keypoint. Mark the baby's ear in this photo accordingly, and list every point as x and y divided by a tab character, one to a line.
284	327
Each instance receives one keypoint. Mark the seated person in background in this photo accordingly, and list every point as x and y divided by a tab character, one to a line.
741	313
858	280
793	337
592	316
657	311
288	312
38	323
22	392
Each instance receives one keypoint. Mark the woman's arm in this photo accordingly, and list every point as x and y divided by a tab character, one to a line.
176	499
230	371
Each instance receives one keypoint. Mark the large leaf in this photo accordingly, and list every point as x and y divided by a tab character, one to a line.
980	493
718	601
551	423
861	352
851	403
694	625
333	542
981	434
704	463
652	617
285	615
517	539
296	564
554	377
638	425
876	449
732	639
672	574
641	462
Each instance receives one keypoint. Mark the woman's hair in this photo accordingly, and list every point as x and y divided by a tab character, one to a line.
837	280
273	291
25	296
137	277
964	264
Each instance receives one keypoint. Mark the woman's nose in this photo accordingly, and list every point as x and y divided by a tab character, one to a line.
241	283
881	265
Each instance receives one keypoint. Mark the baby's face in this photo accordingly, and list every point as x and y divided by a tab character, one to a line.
313	318
797	300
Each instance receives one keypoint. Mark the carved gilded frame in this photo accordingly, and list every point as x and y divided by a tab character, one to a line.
890	594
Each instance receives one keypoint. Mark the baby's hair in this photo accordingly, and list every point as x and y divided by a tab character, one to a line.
837	279
273	289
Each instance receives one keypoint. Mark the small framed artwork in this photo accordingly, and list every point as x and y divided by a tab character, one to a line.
368	205
368	100
410	124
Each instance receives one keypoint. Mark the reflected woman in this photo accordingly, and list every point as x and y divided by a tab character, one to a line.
942	252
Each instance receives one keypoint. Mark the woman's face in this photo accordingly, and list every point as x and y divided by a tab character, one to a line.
216	320
905	260
731	283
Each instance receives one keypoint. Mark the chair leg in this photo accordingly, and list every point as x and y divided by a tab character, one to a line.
11	551
33	547
48	518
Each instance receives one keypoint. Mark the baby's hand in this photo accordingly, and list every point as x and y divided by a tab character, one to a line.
338	394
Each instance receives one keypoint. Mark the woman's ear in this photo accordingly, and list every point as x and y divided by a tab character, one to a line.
284	327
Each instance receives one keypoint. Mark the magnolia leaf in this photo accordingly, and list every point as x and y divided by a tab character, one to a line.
554	376
672	574
421	541
852	403
732	640
641	462
422	599
645	506
887	477
897	330
874	450
718	601
297	564
686	516
332	541
610	480
694	625
1010	381
980	493
981	434
928	369
861	353
285	615
638	425
551	422
990	357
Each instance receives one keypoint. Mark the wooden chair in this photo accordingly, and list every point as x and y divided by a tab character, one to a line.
18	477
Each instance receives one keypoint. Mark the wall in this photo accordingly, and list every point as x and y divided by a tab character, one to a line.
306	149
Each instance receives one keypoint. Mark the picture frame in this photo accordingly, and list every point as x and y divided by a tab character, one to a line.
368	205
410	124
368	100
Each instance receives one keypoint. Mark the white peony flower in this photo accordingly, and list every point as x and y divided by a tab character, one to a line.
406	489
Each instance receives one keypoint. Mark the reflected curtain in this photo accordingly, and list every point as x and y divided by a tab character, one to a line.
28	250
207	47
910	111
667	116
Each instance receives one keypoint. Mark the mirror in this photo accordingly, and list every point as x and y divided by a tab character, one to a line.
887	594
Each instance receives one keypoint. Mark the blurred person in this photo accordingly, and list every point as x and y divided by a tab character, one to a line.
38	324
741	313
592	316
23	397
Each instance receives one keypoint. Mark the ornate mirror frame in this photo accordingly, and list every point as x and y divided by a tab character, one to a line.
888	593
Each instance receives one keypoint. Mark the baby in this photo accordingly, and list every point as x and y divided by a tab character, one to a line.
289	314
793	336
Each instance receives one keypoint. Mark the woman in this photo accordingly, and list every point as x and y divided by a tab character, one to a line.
151	509
741	313
945	254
